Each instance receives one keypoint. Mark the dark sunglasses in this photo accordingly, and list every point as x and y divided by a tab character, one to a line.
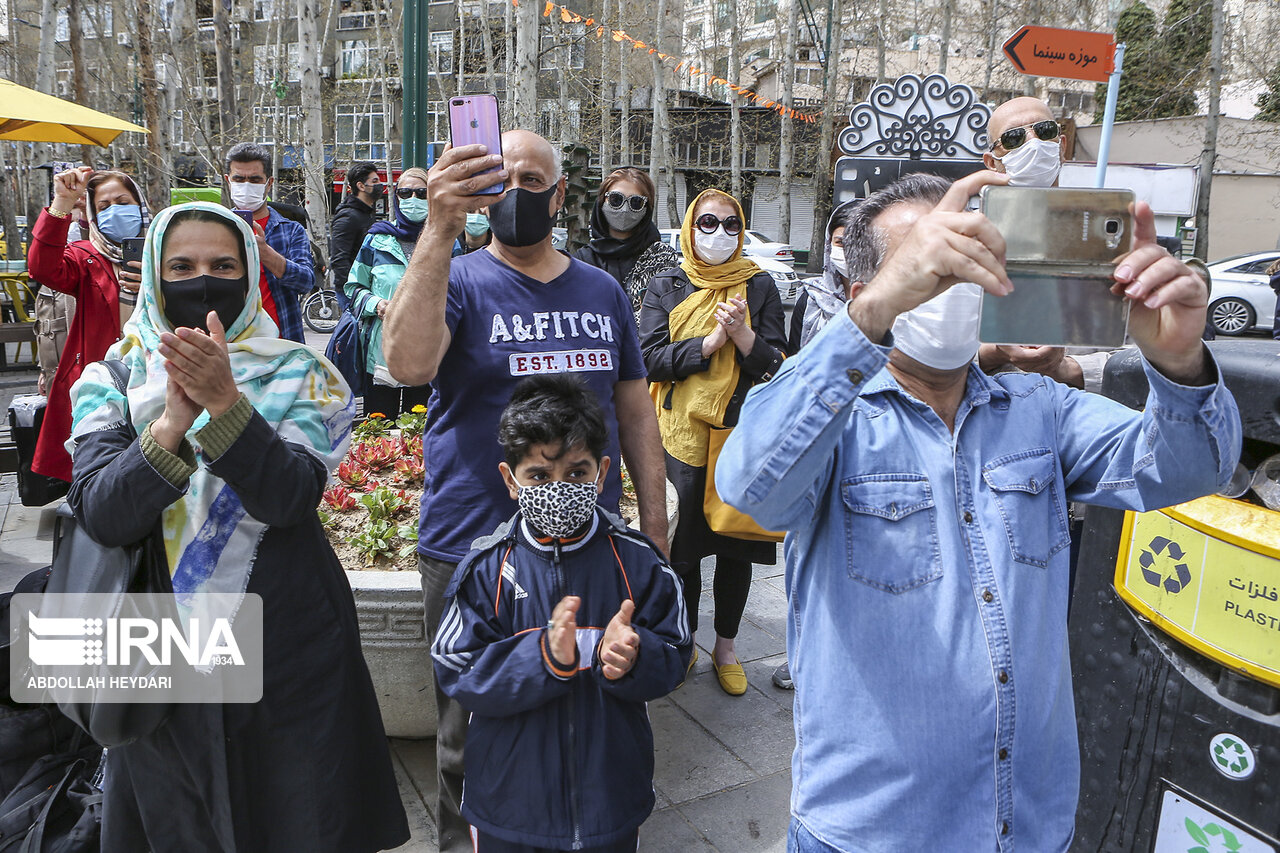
407	192
708	223
616	200
1015	136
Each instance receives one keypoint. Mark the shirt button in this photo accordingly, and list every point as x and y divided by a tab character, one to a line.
855	376
1004	677
1004	828
968	517
1004	753
987	596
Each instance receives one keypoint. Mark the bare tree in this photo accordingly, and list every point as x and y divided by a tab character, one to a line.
224	50
785	160
735	106
155	183
1209	155
486	44
75	29
606	101
822	171
309	57
660	164
525	80
624	94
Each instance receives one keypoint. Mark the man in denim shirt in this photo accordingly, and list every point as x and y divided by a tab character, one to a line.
927	558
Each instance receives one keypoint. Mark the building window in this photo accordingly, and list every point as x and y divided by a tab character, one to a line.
442	52
695	32
359	133
357	58
263	10
722	13
273	62
766	10
95	22
809	76
289	119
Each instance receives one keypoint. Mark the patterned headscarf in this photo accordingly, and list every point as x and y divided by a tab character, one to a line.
210	540
109	250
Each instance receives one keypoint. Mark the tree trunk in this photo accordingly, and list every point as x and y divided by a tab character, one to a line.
309	59
35	179
735	106
486	44
384	91
79	91
992	29
606	101
822	170
526	66
661	162
9	207
785	159
946	36
882	22
155	182
624	93
224	54
1209	155
509	58
461	53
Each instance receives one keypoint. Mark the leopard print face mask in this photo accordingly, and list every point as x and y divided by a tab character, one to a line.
558	508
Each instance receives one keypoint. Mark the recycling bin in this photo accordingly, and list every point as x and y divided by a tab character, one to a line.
1175	650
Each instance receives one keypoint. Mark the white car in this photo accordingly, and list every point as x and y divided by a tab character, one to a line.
1241	297
784	276
759	246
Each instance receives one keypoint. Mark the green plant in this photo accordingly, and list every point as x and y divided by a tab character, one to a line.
384	503
375	425
374	541
413	422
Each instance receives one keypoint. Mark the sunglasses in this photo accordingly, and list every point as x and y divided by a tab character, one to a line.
708	223
1014	137
407	192
616	200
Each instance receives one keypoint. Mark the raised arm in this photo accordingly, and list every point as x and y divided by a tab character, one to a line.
414	334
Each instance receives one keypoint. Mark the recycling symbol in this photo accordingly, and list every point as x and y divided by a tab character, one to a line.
1162	567
1232	756
1208	837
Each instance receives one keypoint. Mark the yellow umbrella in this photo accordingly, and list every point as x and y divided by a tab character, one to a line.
30	116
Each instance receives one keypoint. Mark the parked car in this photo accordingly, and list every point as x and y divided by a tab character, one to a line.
1242	298
759	246
784	277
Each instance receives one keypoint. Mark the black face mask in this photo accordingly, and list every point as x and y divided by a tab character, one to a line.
521	218
188	302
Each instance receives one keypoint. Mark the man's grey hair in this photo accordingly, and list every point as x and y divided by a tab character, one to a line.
249	152
864	245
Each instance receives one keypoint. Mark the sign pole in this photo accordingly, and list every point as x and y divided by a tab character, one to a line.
1109	119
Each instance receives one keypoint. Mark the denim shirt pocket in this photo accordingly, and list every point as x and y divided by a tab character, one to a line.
1031	504
891	531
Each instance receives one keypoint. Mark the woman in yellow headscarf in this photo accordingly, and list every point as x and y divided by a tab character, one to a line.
710	329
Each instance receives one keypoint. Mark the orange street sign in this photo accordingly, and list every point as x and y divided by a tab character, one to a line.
1074	54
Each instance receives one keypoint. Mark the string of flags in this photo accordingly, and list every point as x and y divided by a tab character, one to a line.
676	64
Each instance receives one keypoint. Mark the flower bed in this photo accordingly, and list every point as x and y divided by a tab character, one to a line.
371	513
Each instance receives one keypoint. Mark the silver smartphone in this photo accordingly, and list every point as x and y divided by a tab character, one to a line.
1061	247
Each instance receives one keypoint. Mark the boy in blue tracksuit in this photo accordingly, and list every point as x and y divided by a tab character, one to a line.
558	629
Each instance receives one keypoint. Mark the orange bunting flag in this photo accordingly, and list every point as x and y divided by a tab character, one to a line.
565	15
546	11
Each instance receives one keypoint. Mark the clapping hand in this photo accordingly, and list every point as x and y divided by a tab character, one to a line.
563	630
199	363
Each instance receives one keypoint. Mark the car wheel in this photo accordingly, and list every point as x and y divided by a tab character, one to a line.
1231	316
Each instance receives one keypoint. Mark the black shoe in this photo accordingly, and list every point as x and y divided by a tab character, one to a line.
782	678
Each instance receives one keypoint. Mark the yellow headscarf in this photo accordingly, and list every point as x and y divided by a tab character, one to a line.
698	402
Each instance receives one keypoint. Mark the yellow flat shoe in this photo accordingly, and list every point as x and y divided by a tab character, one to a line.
732	678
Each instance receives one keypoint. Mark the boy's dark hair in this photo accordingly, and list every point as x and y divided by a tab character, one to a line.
250	152
553	409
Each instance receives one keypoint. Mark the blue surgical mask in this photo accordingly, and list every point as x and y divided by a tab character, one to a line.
477	224
119	222
414	209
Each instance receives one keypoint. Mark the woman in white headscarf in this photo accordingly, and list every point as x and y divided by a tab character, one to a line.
306	767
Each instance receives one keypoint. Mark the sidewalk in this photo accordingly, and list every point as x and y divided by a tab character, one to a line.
722	763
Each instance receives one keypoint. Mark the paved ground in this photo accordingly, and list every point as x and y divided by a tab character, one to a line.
722	763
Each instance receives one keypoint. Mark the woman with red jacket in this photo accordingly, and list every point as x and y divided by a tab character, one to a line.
94	272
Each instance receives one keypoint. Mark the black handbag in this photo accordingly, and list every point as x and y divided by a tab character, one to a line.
55	806
82	565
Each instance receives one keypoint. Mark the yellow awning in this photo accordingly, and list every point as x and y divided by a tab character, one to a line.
30	116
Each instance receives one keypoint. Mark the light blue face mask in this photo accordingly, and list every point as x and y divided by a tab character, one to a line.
119	222
477	224
414	209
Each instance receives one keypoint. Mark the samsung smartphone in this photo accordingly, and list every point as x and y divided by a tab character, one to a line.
474	119
131	248
1061	248
246	215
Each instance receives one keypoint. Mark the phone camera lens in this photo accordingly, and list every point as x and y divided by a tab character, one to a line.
457	103
1113	226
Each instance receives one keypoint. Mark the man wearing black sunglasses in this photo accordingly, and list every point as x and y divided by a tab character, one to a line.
1026	142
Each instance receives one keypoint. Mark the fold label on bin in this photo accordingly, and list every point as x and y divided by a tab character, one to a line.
1193	571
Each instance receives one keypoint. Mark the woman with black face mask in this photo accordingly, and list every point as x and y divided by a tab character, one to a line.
625	243
307	766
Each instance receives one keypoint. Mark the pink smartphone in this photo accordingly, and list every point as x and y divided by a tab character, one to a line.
474	119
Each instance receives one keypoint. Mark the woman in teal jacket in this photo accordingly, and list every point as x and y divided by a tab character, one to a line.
376	273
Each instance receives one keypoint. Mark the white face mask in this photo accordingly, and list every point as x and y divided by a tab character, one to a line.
247	196
943	332
1034	163
838	262
714	248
